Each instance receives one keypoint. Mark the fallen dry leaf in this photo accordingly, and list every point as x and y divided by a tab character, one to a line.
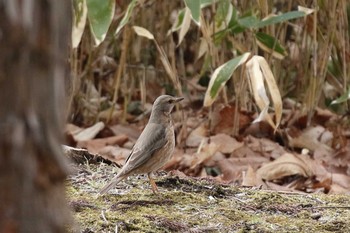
96	145
261	147
286	165
341	180
249	177
207	152
195	138
313	138
232	168
88	133
72	129
222	119
130	130
225	143
114	153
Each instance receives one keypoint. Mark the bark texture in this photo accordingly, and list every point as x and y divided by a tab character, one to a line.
34	37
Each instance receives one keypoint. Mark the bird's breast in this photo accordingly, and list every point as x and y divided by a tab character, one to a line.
165	153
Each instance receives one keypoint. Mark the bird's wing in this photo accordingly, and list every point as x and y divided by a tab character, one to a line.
151	139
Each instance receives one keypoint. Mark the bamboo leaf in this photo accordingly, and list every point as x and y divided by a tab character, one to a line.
79	21
127	16
185	25
270	45
195	7
205	3
281	18
180	17
100	14
257	87
273	89
140	31
220	76
223	12
257	71
248	21
343	98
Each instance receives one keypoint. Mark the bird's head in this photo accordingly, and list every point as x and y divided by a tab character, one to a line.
165	104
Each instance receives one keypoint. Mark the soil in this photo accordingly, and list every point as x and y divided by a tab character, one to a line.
186	204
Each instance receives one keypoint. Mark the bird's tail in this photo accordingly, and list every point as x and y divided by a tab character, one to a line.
111	184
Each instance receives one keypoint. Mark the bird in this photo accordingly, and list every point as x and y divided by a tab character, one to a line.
154	147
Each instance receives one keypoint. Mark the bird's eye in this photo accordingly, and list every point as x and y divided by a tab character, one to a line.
170	101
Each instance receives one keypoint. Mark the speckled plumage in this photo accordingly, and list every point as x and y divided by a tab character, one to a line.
155	145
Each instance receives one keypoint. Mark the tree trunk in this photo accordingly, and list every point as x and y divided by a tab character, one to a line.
34	38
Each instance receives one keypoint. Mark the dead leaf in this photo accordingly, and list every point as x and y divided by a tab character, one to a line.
341	180
222	119
249	177
232	168
72	129
207	151
259	71
114	153
95	145
130	130
89	133
195	138
264	146
225	143
286	165
313	138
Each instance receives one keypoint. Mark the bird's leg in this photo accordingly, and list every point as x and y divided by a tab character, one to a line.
153	184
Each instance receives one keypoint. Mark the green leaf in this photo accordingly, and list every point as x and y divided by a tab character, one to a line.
127	16
343	98
221	75
281	18
205	3
100	14
195	7
248	21
222	12
270	44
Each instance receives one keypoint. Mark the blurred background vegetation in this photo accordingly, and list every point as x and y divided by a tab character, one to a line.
177	46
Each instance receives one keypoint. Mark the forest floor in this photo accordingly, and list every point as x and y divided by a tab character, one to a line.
187	204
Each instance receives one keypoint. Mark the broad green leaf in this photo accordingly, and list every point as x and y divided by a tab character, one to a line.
205	3
270	44
281	18
143	32
100	14
127	16
248	22
222	11
79	21
195	7
343	98
220	76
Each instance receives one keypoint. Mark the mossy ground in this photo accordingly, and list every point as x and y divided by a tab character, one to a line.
196	205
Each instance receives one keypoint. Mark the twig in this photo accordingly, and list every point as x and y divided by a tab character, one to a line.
103	216
328	207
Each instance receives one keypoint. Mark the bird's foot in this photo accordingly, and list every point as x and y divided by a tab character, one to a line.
153	185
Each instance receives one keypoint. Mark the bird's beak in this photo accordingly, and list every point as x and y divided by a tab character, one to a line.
178	99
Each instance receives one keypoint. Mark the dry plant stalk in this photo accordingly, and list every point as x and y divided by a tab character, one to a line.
119	73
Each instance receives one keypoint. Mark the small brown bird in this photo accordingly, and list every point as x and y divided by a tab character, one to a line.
155	145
